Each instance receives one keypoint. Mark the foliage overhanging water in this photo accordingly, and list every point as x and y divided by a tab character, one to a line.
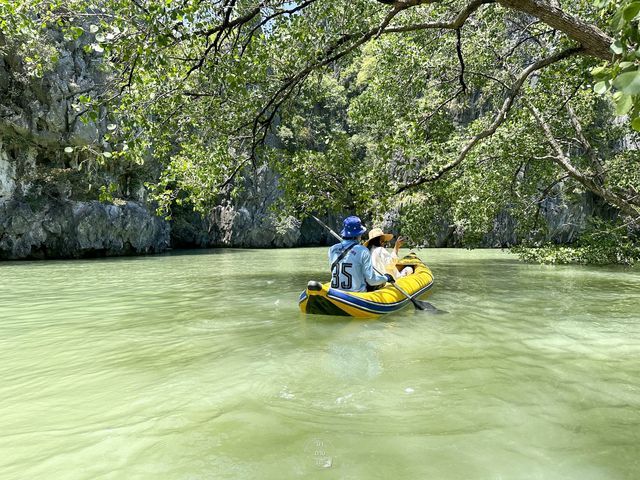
199	365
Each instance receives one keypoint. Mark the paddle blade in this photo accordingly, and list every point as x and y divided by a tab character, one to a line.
426	307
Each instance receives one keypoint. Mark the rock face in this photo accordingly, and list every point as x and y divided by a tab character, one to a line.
46	207
40	111
563	221
72	229
230	225
248	222
245	226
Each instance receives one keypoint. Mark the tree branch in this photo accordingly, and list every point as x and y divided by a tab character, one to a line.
271	17
577	126
463	85
498	120
453	24
403	4
227	25
565	163
285	90
329	56
593	40
490	77
524	40
233	174
428	117
543	195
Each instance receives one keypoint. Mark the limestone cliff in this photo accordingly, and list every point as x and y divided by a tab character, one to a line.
48	204
49	197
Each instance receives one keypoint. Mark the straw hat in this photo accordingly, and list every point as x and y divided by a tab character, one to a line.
377	232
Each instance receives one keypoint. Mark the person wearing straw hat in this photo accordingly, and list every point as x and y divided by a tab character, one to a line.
382	260
350	261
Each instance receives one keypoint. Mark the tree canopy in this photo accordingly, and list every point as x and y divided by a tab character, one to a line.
454	110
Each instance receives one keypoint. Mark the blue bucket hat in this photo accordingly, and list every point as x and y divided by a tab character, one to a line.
352	227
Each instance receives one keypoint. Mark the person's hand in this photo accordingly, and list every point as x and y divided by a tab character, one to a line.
399	243
390	278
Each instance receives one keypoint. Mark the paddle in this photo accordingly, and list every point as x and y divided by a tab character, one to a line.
419	304
338	237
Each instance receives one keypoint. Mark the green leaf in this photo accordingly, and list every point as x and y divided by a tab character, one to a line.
635	124
601	88
598	71
76	32
623	104
617	22
616	47
630	11
628	82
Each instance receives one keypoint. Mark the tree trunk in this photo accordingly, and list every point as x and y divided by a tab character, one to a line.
593	40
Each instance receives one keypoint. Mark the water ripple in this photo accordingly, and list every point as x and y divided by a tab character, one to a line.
196	366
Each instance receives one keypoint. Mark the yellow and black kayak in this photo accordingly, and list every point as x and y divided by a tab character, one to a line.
322	299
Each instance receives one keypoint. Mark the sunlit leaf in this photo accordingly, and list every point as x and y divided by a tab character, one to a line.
628	82
631	11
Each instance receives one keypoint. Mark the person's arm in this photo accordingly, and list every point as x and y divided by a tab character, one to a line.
371	276
396	247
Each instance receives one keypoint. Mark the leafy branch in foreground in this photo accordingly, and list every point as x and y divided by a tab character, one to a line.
619	75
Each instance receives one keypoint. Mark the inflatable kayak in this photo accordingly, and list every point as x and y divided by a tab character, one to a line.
322	299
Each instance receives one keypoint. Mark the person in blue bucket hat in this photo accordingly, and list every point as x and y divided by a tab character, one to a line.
351	267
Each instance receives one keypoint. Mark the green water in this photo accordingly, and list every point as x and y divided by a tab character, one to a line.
198	365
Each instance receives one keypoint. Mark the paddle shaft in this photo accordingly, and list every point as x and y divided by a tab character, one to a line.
338	237
419	304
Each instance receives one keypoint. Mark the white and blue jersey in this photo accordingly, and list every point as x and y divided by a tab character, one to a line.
354	271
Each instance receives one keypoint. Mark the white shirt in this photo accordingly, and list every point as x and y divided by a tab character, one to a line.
381	259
